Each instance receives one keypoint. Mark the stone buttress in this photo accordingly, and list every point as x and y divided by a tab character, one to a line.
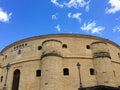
102	64
51	59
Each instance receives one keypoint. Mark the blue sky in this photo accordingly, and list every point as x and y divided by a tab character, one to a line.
21	19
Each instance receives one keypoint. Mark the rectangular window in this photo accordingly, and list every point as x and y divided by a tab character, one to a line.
38	73
92	71
66	71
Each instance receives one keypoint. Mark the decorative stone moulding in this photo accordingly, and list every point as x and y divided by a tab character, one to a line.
99	42
100	87
101	55
52	53
51	40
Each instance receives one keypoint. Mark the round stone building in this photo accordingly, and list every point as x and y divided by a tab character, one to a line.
60	62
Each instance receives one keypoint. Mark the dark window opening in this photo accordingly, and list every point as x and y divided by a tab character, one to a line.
64	46
119	55
25	44
88	46
1	78
19	51
92	71
39	47
22	45
66	71
38	73
16	79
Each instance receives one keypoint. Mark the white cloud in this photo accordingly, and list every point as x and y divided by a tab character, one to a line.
58	28
91	26
115	6
4	17
77	3
72	3
116	29
87	8
54	17
56	3
75	16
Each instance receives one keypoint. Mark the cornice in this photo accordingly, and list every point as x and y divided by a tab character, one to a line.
60	35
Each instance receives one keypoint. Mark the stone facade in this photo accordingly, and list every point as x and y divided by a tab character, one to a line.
49	63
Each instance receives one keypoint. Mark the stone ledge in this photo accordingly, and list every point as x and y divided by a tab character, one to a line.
51	40
101	55
99	43
101	87
52	53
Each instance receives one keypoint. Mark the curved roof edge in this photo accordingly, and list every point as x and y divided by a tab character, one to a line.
59	35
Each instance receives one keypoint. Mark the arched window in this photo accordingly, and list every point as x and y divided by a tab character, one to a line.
64	46
19	51
20	46
16	79
39	47
92	71
66	71
38	73
88	46
25	44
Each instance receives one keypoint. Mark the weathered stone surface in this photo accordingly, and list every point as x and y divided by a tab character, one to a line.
46	53
101	55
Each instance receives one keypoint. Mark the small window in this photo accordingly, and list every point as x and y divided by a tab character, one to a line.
39	47
19	51
38	73
66	71
64	46
25	44
92	71
1	78
22	45
88	46
119	55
